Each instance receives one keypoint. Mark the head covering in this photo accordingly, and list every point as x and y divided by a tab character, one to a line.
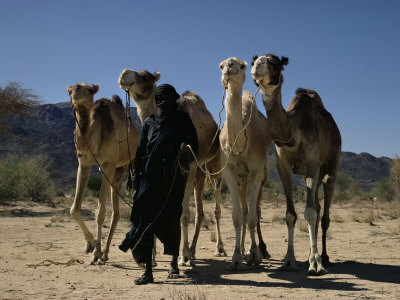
167	92
165	96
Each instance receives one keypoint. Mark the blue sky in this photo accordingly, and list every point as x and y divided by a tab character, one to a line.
348	51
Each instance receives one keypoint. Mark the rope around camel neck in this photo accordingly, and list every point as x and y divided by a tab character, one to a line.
205	171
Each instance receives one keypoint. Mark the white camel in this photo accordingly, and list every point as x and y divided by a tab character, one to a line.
246	130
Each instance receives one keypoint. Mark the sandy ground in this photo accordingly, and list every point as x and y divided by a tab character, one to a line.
366	259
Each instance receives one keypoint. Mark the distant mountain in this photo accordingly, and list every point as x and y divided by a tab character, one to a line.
48	130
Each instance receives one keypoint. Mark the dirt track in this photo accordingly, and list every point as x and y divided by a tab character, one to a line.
366	260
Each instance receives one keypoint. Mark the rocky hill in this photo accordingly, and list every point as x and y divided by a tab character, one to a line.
48	130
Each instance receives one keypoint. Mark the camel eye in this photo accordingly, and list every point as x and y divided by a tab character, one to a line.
220	66
242	66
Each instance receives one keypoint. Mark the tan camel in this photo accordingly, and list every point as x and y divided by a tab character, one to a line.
308	142
102	127
247	166
141	86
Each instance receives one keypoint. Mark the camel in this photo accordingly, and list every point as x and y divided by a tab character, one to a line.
141	86
247	162
307	142
101	131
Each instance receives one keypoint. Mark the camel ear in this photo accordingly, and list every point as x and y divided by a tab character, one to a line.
254	60
284	61
69	89
95	88
157	76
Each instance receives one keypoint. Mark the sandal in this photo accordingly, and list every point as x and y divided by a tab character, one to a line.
144	279
173	273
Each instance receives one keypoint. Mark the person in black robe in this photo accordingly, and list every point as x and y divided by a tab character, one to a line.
158	183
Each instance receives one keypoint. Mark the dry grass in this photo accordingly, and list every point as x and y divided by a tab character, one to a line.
361	216
336	219
183	294
278	219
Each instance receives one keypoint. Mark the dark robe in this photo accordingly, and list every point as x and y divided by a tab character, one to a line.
159	186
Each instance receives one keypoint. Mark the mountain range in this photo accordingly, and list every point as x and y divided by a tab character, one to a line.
48	130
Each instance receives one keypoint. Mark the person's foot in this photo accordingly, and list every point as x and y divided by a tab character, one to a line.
144	279
173	273
123	247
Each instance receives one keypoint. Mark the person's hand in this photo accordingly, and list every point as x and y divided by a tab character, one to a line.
184	149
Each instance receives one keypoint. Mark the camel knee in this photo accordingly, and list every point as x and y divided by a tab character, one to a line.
290	219
310	215
75	213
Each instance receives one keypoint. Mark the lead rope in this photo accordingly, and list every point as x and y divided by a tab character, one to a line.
97	162
234	143
129	183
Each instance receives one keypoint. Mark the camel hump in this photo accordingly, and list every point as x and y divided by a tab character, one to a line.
192	97
117	100
311	94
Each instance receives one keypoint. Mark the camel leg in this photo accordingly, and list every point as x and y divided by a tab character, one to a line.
214	166
198	191
329	184
117	183
253	256
261	245
109	170
81	183
237	217
284	170
242	185
185	218
310	215
220	250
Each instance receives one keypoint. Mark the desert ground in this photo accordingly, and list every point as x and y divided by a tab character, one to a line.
42	257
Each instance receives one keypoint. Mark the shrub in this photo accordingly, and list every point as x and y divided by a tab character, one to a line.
346	187
23	177
94	183
384	189
395	176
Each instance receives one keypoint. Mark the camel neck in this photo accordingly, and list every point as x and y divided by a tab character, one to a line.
82	121
145	106
278	120
234	118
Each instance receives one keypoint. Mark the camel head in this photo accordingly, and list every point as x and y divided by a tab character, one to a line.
233	71
82	95
267	69
141	84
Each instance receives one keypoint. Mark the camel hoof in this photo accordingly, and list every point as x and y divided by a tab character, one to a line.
325	260
154	263
321	271
188	263
289	267
89	247
220	254
101	262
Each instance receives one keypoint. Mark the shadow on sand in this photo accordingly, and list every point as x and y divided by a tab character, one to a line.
214	272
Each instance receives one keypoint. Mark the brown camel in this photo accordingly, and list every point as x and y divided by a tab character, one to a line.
101	131
307	142
247	160
141	86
